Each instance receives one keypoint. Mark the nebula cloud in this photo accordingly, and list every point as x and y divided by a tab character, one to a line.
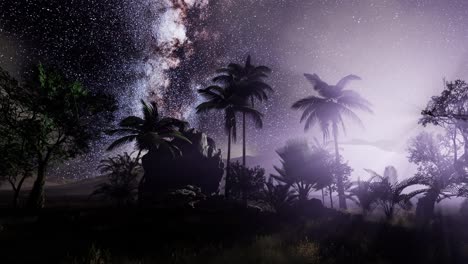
169	44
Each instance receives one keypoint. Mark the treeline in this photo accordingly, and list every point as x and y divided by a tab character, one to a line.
52	119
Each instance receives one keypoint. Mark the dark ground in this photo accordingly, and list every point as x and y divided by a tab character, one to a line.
137	235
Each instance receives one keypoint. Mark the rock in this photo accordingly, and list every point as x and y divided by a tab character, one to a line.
200	165
186	197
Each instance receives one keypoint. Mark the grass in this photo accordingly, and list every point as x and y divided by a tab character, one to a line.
134	235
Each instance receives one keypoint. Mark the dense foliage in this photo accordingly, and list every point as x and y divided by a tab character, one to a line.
55	119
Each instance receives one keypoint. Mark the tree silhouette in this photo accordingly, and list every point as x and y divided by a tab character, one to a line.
323	146
150	132
58	120
122	172
450	111
328	109
247	82
247	183
17	161
364	193
278	196
303	168
434	156
225	99
390	193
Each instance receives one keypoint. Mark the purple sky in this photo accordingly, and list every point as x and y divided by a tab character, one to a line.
168	49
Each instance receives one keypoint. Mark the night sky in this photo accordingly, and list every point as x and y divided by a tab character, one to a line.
164	50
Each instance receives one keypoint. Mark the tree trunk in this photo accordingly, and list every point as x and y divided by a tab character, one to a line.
16	198
17	191
138	155
331	196
389	213
455	154
323	197
339	177
227	185
36	197
15	194
243	139
425	207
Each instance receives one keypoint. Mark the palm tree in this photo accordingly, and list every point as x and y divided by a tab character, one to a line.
247	81
390	192
363	193
150	132
223	98
303	168
278	196
327	109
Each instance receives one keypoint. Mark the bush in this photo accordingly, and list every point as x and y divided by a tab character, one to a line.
246	183
122	172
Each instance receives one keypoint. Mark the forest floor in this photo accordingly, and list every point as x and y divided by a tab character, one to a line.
77	228
136	235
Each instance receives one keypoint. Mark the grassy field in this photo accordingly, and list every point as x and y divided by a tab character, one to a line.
132	235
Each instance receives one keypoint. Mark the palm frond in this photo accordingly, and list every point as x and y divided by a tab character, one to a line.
206	106
263	69
131	121
349	113
315	80
176	134
223	79
354	100
211	93
306	102
150	111
122	141
122	131
345	80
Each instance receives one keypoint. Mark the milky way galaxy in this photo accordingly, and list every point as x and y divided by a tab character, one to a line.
164	50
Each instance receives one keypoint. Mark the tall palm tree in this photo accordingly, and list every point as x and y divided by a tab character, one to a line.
327	109
151	132
248	83
224	99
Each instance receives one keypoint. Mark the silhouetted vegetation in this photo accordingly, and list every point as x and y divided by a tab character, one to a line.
390	193
199	164
248	83
327	111
151	132
303	168
53	118
186	209
122	173
247	183
226	98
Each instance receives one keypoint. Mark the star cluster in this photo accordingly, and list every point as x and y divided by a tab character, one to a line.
164	50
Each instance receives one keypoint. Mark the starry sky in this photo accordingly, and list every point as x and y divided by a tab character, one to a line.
164	50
